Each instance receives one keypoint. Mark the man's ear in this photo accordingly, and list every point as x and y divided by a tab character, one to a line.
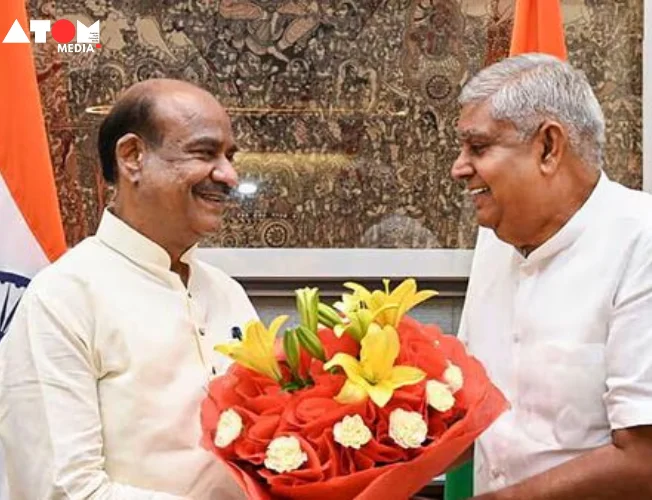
552	141
129	151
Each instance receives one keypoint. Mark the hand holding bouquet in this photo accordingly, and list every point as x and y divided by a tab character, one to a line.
358	401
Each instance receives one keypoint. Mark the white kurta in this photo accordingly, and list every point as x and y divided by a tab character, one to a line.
566	333
103	371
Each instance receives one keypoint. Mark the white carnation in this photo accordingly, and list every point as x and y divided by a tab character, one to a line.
229	427
284	454
407	428
454	377
439	395
352	432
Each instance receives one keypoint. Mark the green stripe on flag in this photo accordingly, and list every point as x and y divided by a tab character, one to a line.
459	482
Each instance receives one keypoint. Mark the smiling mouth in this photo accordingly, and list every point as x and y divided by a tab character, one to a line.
477	191
213	197
216	193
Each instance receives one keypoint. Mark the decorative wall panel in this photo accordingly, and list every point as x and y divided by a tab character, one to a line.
345	109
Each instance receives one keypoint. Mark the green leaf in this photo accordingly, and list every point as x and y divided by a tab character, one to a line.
292	386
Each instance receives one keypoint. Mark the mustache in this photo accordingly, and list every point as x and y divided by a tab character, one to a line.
214	188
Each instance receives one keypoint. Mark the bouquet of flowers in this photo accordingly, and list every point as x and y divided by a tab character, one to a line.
358	401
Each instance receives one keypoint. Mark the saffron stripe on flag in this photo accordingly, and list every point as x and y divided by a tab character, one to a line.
538	27
24	154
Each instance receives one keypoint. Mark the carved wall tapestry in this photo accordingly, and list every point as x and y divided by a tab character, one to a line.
344	109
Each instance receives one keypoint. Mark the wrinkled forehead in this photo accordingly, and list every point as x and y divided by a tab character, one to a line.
182	116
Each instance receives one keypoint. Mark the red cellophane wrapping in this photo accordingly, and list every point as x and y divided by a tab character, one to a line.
378	470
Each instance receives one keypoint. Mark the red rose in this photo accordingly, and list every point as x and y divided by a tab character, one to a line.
419	348
249	389
313	409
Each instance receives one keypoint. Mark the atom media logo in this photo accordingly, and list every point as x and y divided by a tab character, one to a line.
63	31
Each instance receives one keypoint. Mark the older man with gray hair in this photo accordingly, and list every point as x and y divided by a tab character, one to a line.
559	305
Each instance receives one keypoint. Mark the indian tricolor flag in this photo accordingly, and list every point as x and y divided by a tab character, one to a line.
31	234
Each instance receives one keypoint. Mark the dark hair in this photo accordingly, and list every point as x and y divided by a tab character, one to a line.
129	115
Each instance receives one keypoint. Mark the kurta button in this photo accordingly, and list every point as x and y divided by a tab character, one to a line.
202	332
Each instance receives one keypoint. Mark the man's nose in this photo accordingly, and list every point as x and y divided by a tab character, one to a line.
461	168
224	172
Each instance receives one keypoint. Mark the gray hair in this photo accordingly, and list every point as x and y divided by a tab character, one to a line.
529	88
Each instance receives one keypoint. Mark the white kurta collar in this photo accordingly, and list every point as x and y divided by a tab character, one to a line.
124	239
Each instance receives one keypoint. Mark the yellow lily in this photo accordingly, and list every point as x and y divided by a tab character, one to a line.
374	375
350	303
404	297
357	322
256	349
357	318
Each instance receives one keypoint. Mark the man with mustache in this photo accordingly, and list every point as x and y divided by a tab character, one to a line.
108	357
559	304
